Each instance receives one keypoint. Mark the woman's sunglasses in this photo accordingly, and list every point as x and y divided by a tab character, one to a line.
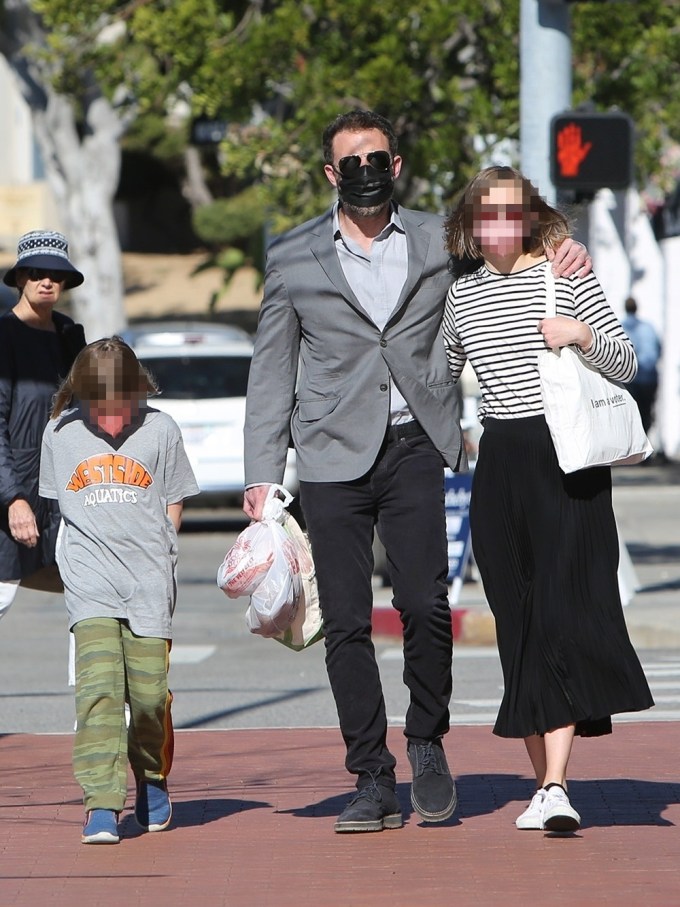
507	212
379	160
41	274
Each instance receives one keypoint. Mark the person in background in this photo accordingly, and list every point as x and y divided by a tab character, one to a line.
545	543
647	347
37	347
120	474
350	362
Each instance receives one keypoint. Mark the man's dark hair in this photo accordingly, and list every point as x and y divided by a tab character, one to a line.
630	306
357	120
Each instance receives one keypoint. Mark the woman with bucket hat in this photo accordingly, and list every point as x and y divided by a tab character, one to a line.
37	348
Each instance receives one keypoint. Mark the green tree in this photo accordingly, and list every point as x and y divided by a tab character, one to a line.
80	150
446	72
627	56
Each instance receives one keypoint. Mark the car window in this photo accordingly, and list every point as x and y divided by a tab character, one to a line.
199	377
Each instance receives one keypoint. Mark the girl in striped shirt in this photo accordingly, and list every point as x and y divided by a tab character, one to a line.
546	543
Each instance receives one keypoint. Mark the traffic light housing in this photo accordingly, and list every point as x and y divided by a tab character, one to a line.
590	151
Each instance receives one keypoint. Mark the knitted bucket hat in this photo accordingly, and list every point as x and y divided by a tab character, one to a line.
47	250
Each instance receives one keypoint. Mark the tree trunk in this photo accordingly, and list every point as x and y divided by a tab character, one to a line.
195	188
82	172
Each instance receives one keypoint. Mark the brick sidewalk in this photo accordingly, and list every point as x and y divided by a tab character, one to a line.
253	825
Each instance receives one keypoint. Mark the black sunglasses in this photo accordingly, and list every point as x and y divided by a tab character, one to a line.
379	160
41	274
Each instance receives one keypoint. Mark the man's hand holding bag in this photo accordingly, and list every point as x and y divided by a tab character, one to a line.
271	563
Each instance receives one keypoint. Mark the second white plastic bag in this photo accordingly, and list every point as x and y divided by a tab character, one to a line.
263	564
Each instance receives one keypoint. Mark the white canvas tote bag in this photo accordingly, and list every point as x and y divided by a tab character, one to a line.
593	420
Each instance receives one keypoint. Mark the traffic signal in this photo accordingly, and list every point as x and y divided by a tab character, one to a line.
590	151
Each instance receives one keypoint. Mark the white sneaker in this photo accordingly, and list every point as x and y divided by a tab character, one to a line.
532	817
558	813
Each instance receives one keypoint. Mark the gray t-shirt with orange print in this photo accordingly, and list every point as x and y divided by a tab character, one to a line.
117	552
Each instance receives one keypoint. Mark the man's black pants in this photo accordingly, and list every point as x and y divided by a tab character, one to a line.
404	495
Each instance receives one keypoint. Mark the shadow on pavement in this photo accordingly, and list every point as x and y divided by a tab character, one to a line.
653	554
657	471
213	519
204	720
601	802
333	806
192	813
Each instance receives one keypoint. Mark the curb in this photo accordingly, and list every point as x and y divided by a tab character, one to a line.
470	626
476	627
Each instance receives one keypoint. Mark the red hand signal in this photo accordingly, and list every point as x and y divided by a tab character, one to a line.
571	151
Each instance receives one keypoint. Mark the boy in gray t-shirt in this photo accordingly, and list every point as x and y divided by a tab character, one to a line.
120	474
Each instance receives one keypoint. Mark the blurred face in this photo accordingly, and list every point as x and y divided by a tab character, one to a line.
501	220
116	409
40	288
113	415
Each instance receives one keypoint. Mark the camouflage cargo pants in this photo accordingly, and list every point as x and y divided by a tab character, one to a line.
114	666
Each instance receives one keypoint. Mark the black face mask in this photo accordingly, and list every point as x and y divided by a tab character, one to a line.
366	187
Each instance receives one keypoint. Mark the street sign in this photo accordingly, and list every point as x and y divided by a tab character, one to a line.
457	488
590	151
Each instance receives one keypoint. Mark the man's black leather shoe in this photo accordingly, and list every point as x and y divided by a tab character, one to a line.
433	793
371	809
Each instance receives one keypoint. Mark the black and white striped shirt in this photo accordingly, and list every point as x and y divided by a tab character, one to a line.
492	320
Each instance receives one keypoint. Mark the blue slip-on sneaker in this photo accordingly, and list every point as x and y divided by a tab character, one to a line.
153	809
101	827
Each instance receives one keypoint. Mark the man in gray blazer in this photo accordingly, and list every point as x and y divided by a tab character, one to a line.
349	363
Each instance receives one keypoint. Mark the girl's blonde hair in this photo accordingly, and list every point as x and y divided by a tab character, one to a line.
547	226
102	370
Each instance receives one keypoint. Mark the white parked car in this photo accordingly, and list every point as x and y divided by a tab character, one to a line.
202	372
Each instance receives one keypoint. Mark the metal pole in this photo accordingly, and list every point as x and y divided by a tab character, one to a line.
545	84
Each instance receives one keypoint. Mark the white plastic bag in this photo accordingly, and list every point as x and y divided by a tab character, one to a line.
307	625
263	564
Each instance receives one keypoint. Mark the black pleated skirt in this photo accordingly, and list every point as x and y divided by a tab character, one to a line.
547	550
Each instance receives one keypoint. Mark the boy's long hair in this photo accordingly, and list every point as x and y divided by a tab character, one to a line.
548	226
89	381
